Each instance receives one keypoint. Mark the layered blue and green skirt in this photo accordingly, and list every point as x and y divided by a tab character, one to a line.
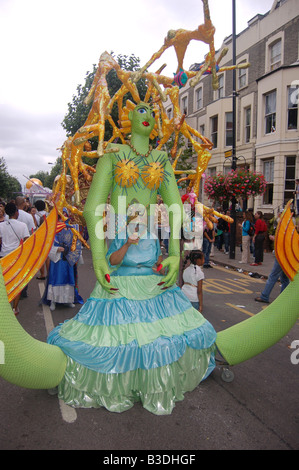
140	344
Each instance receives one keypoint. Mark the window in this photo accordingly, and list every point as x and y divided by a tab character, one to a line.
289	184
212	171
214	130
228	129
198	98
270	112
242	77
269	176
169	113
275	54
184	105
247	124
220	90
202	130
293	93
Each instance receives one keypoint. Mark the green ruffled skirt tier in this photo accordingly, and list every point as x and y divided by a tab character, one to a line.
141	344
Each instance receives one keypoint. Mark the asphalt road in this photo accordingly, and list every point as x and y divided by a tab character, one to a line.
258	410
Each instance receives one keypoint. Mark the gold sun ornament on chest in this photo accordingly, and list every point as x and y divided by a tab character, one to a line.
126	173
153	175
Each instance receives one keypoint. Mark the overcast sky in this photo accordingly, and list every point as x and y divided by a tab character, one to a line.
47	47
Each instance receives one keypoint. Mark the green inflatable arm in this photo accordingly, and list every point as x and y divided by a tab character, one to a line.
27	362
93	215
256	334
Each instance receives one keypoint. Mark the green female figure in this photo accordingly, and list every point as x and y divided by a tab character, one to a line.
133	176
137	332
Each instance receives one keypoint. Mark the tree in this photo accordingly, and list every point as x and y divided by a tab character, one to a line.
185	160
10	187
55	171
40	175
48	178
78	111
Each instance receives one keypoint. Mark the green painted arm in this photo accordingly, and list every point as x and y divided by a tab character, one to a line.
93	215
171	197
256	334
28	362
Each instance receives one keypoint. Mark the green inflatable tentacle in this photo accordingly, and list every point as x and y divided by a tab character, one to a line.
253	336
27	362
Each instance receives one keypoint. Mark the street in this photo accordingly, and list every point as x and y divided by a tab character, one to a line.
258	410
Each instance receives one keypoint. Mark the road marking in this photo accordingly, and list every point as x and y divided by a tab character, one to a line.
68	413
241	309
215	286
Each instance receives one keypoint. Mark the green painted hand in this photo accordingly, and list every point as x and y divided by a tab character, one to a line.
101	270
172	264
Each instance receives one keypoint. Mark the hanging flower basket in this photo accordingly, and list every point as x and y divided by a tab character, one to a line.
238	183
214	187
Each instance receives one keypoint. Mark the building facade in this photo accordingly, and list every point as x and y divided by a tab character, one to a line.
267	129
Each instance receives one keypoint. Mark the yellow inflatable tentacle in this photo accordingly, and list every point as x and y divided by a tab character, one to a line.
287	243
19	266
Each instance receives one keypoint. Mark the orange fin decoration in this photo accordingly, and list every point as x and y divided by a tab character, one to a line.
24	262
287	243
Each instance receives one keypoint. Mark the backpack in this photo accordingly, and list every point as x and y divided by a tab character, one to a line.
251	230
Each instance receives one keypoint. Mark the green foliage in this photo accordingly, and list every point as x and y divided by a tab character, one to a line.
10	187
78	111
40	175
185	160
48	178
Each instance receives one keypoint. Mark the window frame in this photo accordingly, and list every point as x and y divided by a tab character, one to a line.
294	107
272	41
289	193
184	99
227	130
275	61
220	92
242	72
197	90
247	125
268	195
269	116
214	133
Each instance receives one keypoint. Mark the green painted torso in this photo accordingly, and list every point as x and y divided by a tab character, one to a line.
138	192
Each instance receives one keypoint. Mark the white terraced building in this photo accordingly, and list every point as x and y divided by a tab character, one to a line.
267	133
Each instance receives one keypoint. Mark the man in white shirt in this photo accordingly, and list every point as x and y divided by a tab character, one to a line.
24	216
12	231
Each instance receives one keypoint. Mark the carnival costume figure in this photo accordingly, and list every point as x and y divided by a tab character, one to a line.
137	338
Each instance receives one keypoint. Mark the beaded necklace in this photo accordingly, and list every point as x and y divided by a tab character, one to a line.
138	153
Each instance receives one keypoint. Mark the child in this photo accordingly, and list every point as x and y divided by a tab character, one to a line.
193	277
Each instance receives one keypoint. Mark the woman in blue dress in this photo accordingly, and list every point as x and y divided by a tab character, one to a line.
62	280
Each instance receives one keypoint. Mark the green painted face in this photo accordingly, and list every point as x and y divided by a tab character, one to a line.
142	119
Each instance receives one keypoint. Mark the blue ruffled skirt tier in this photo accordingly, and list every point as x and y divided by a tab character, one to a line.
141	344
